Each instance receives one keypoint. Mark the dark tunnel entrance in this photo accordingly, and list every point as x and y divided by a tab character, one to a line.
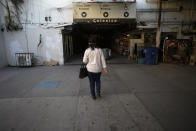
105	36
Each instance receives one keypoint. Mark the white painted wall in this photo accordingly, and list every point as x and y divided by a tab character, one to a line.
50	49
3	58
33	19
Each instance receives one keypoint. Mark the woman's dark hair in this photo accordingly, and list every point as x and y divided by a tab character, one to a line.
92	45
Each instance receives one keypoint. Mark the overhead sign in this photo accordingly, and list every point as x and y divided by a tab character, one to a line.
103	12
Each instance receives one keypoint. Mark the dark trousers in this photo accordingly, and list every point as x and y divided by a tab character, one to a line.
94	78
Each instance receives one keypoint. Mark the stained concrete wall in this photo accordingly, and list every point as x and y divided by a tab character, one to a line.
172	18
170	12
34	24
50	48
3	59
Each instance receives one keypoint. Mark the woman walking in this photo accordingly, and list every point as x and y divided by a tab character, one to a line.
95	61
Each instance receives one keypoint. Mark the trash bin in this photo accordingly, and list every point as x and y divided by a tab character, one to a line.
141	61
151	55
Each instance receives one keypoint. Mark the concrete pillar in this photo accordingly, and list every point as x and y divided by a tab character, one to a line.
3	57
158	37
179	34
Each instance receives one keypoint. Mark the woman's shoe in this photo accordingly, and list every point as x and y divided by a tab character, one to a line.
98	94
94	97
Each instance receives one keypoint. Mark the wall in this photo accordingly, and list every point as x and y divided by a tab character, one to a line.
32	17
172	18
50	48
3	59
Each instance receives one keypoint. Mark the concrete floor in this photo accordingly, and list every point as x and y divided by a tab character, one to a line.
134	98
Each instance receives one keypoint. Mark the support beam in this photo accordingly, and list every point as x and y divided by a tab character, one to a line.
160	12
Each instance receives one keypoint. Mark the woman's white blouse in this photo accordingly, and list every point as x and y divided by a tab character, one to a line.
94	59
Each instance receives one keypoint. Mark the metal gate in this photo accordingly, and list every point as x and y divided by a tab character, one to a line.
67	46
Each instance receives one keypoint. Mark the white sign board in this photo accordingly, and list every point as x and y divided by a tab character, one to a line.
109	12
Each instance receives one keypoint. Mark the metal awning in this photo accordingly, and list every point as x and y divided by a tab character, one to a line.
104	1
59	25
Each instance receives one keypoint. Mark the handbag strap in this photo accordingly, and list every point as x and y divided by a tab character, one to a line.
83	65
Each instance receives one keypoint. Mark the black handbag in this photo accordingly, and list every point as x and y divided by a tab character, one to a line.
83	71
